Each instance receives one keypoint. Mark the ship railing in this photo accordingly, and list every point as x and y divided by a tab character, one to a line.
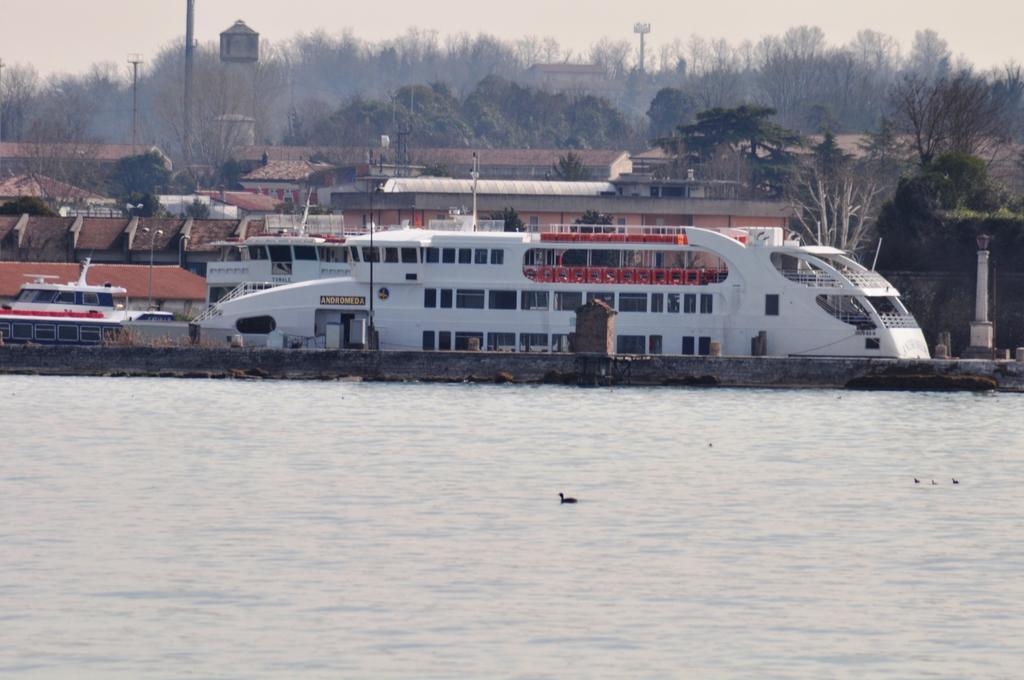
890	320
862	320
246	288
623	229
625	275
811	279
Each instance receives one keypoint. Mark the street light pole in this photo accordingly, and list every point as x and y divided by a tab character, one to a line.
152	241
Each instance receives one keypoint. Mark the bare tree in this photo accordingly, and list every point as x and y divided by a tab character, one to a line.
956	114
835	199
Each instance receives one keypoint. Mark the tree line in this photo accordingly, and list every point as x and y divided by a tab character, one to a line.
312	85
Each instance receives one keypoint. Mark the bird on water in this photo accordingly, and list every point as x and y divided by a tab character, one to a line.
934	483
916	480
956	481
566	499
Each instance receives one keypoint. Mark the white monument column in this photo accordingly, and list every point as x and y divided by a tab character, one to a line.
981	327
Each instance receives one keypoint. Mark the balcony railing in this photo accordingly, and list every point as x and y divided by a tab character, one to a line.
867	279
890	320
811	279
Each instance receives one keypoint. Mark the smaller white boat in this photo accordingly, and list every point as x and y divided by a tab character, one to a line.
73	313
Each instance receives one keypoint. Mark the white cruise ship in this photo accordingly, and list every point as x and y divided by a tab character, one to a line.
676	290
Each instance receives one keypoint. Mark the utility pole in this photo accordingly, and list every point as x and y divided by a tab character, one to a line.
642	29
135	60
1	118
190	8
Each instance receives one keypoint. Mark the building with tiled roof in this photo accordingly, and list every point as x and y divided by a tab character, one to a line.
47	189
24	154
174	289
602	164
184	242
249	202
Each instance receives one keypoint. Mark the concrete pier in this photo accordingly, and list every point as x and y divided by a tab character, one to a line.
568	369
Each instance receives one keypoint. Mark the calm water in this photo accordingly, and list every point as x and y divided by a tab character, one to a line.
217	529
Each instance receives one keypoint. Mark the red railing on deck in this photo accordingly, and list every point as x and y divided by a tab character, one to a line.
625	275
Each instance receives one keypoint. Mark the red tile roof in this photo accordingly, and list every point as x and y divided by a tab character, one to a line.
248	201
170	227
350	155
74	151
169	282
101	233
48	236
286	171
41	186
205	232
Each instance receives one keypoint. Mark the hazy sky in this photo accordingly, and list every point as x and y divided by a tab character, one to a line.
68	35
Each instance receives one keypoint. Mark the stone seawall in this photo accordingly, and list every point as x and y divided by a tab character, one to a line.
198	362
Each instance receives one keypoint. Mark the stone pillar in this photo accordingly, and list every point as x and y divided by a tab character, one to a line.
981	327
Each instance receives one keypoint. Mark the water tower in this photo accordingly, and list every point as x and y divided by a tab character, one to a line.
240	56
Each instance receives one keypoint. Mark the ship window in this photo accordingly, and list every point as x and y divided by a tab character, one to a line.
501	299
534	300
448	255
90	298
25	295
688	345
872	343
444	340
655	344
258	253
280	254
632	302
23	331
706	303
305	253
66	297
771	305
469	299
90	334
673	303
446	298
704	346
430	297
559	342
391	254
46	331
607	298
431	255
257	325
690	303
462	339
371	254
497	256
630	344
574	258
657	303
465	255
501	342
354	254
480	256
533	342
64	333
428	339
408	255
5	331
568	302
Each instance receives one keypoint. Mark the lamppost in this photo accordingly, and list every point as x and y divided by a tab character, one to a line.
152	241
373	257
181	253
981	328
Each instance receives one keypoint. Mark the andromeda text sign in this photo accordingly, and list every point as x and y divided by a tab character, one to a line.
347	300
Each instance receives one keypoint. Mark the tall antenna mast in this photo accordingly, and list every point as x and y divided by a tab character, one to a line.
190	46
135	60
642	29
